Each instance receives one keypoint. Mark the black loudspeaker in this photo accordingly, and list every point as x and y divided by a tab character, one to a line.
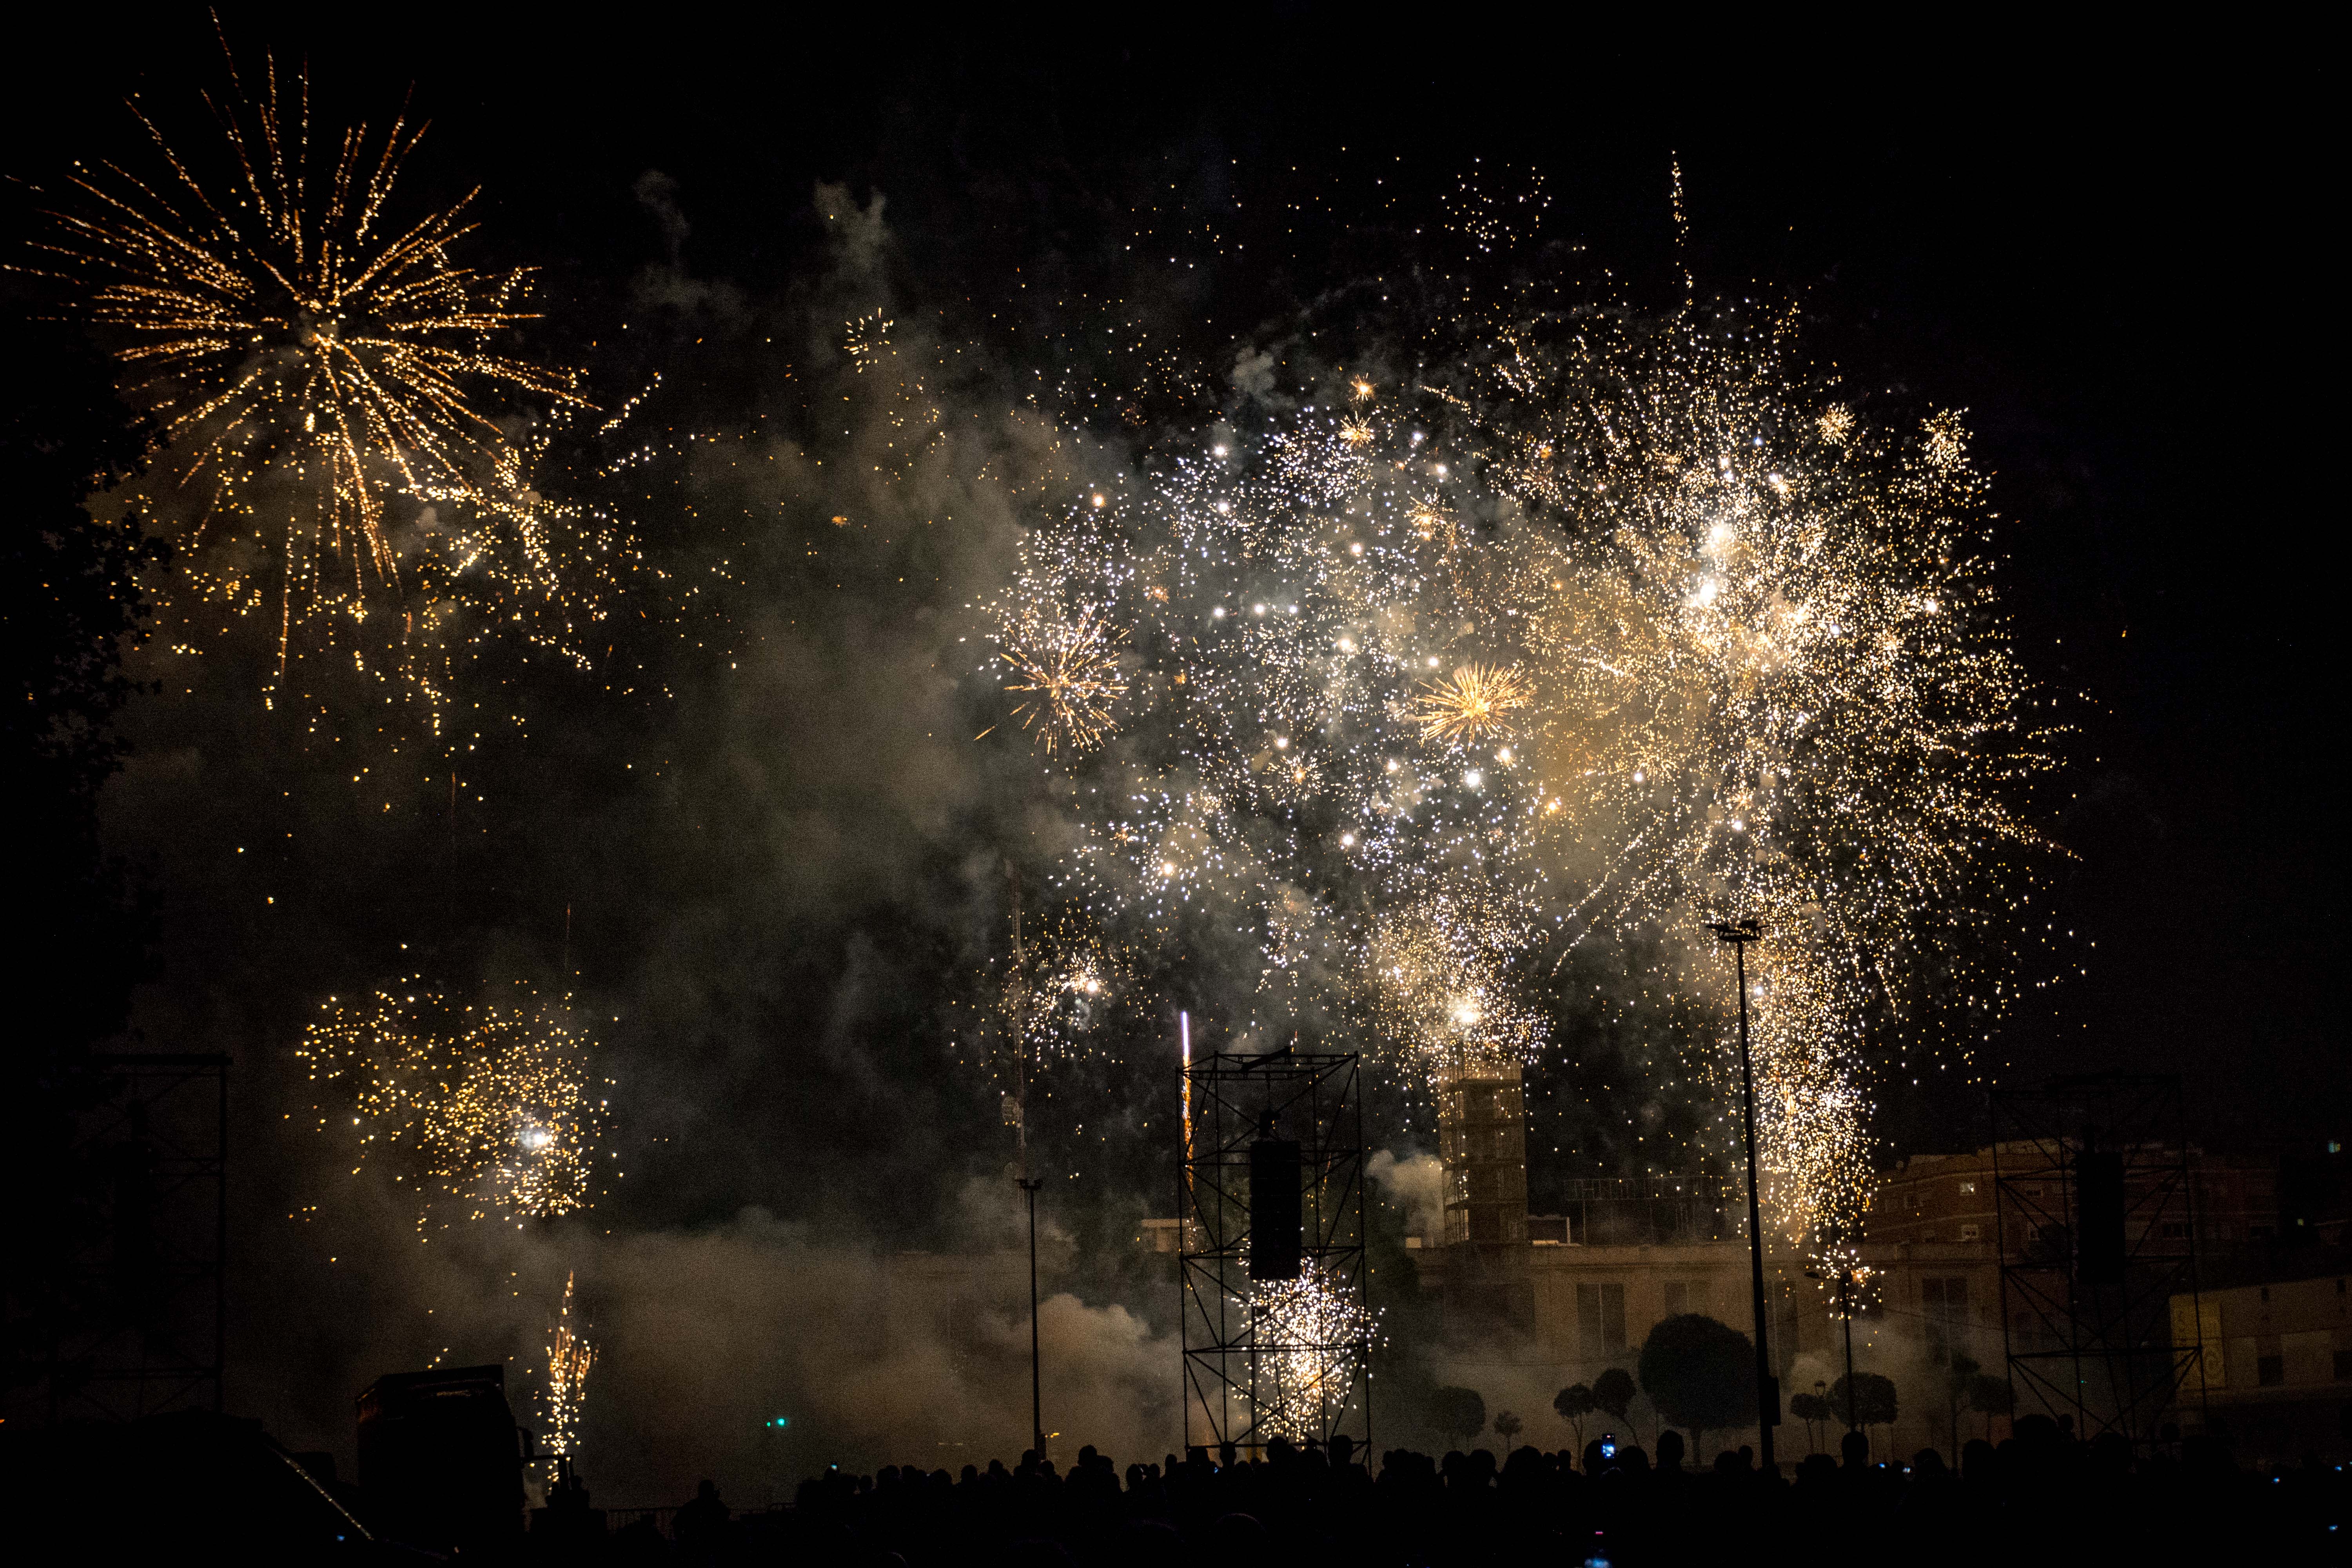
1273	1206
2099	1215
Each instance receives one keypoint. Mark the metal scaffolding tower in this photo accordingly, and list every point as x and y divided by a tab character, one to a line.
1253	1373
132	1292
2094	1216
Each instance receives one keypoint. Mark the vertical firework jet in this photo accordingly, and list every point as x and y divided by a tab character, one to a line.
569	1357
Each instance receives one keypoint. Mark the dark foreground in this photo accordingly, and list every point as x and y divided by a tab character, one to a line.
150	1493
2034	1496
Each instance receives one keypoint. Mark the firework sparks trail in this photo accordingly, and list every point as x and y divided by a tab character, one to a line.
569	1357
492	1108
1751	662
323	367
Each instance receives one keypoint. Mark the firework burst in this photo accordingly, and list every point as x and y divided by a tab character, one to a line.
1069	676
493	1109
1314	1339
1470	705
329	375
1715	650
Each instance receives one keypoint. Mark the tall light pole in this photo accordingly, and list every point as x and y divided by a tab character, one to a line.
1739	933
1037	1406
1845	1310
1024	1180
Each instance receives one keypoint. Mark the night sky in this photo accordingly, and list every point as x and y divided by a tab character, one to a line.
772	861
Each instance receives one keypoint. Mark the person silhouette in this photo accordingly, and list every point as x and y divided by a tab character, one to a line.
702	1521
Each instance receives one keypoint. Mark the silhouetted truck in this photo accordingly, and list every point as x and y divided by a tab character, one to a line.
441	1458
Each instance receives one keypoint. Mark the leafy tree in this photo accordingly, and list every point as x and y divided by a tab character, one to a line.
1613	1391
1457	1413
1699	1374
1574	1402
1508	1426
1872	1402
1814	1411
1990	1397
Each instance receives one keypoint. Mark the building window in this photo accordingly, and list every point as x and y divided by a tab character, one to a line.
1677	1298
1945	1311
1971	1233
2269	1371
1601	1319
1968	1189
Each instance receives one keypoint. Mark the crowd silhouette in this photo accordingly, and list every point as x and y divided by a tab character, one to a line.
2037	1491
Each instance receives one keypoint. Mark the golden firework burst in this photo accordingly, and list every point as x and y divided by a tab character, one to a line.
309	353
1072	676
1470	704
491	1107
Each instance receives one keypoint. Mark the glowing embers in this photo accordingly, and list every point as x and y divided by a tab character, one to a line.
493	1109
1069	676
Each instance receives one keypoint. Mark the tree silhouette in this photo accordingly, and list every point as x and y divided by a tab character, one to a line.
1457	1413
1508	1426
1990	1397
1613	1391
1699	1374
1573	1404
1872	1400
1812	1410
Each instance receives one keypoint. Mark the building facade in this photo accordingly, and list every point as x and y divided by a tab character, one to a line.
2275	1374
1589	1285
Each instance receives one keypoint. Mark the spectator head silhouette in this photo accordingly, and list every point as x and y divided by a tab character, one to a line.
1853	1448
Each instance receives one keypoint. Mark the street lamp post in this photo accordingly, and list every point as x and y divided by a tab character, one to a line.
1023	1179
1739	933
1030	1184
1845	1310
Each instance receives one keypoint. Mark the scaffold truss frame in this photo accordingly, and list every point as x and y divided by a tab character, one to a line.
1238	1363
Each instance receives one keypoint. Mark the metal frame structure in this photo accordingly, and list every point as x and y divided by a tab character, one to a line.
2105	1351
1619	1211
138	1299
1233	1362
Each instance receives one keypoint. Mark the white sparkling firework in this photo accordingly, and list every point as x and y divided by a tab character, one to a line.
1690	646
